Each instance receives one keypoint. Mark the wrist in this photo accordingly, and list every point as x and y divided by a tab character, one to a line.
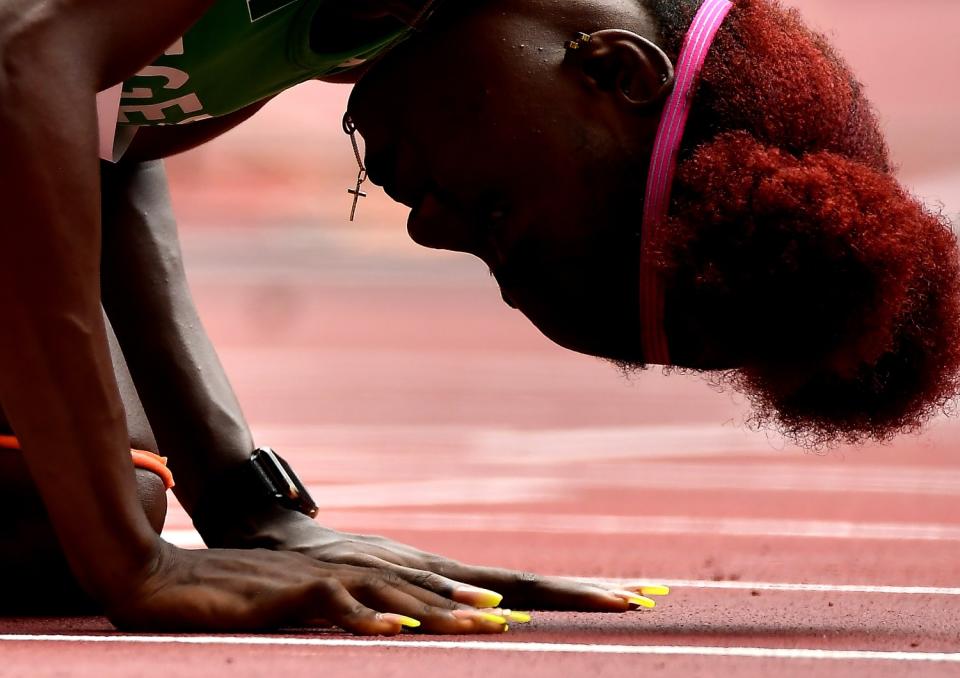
266	526
252	503
111	577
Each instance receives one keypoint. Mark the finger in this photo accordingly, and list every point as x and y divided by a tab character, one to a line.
430	581
640	595
330	600
437	614
528	590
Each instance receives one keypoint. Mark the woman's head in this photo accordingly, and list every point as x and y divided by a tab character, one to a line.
507	147
791	257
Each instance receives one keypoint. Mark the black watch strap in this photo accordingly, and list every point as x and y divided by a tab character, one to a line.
265	480
275	477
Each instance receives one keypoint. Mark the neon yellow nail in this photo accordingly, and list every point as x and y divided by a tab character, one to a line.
480	615
519	617
655	590
642	602
493	618
477	597
408	622
633	597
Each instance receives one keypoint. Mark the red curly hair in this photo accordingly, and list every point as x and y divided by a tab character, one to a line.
791	253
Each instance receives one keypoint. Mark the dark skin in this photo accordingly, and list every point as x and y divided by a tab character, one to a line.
469	154
58	382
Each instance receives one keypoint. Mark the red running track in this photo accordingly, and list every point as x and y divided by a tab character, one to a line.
418	406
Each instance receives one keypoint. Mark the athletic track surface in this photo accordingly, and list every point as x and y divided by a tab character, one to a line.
416	405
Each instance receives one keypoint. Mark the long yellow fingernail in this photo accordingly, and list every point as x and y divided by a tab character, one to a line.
642	601
408	622
655	590
471	595
519	617
634	598
479	615
492	618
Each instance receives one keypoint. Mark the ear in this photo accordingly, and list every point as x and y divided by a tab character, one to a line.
626	65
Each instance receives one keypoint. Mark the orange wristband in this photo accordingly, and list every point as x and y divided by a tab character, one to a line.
141	459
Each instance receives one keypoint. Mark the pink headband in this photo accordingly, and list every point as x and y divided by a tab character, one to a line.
663	165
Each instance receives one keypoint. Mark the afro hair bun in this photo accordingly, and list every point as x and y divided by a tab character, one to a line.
835	293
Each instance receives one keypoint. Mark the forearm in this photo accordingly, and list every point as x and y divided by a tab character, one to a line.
188	399
56	380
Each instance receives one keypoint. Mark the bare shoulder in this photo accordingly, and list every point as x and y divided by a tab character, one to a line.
102	39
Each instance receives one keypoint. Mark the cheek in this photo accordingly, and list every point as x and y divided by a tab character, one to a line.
581	274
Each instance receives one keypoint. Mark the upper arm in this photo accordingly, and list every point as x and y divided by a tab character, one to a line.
162	141
92	42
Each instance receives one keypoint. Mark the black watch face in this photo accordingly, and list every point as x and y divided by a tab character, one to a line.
282	482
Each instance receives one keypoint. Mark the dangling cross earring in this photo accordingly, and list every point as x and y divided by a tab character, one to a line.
350	129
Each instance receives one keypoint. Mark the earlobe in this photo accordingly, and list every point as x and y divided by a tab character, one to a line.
628	66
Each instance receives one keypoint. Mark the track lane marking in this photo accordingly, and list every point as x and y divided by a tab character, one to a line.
779	586
493	646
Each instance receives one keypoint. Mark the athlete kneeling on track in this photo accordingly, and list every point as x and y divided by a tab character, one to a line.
771	242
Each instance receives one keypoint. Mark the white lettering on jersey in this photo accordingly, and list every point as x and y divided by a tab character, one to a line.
175	79
174	76
188	103
176	49
138	93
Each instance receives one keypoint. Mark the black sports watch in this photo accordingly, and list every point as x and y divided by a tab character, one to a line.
276	480
242	492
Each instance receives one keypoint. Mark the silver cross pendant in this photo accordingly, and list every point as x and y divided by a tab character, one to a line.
351	129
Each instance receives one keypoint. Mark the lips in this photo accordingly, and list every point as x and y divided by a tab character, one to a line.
409	195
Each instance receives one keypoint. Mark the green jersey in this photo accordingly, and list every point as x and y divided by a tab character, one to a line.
240	52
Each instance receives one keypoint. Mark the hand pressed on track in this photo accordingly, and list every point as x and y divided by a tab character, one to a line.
484	587
244	590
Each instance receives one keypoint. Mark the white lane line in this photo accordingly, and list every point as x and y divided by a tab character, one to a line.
481	646
781	586
556	523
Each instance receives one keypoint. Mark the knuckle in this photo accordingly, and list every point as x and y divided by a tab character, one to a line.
391	579
326	587
381	582
355	612
442	566
527	580
425	580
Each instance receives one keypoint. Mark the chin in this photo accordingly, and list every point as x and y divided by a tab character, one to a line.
589	337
